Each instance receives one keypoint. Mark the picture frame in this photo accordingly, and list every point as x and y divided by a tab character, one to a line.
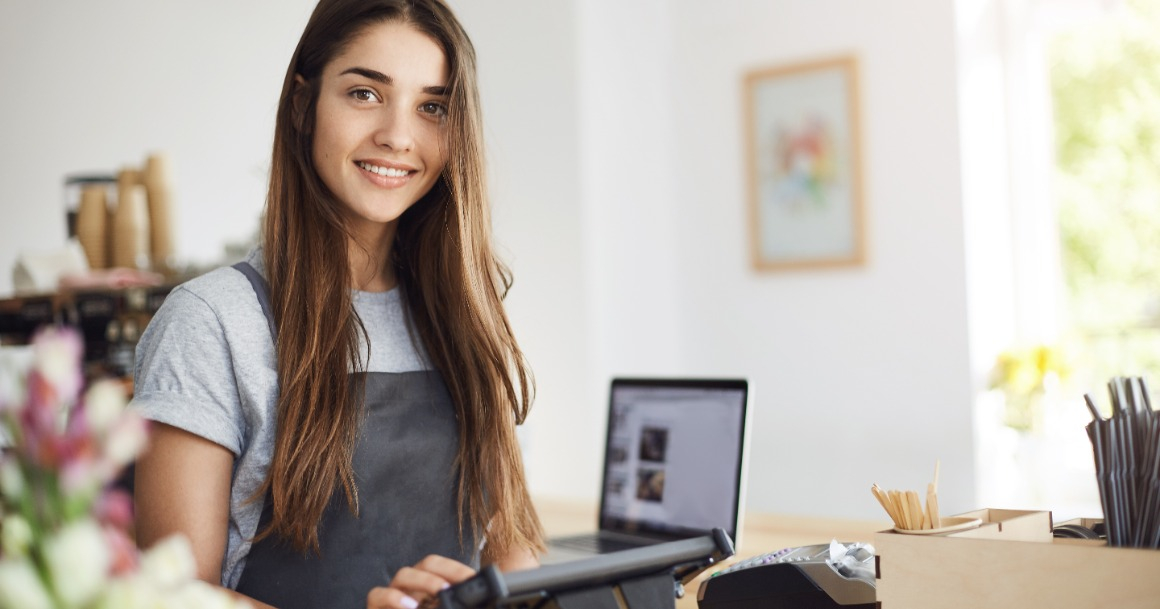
803	151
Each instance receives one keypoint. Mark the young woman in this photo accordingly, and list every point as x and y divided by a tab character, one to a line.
336	416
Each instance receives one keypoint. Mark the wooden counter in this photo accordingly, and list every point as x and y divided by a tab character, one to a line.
760	533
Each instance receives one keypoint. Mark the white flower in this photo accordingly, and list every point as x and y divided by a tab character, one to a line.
200	595
15	535
78	562
104	402
139	592
11	480
130	593
20	588
169	562
14	365
56	354
127	438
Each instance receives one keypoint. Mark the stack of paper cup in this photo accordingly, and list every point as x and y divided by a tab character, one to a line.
157	180
92	222
130	246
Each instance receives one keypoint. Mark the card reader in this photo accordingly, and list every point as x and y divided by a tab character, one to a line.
808	577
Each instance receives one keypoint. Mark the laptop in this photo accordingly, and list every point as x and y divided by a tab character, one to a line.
674	465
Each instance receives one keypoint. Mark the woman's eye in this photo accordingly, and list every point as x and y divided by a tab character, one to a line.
364	95
434	109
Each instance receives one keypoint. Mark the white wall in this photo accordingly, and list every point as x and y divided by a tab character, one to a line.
861	375
530	85
615	138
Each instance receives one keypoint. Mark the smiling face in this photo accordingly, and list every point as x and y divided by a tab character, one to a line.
380	118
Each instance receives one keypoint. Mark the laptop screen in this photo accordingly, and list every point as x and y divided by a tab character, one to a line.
674	454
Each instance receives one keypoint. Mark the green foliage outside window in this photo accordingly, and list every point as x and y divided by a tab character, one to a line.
1105	80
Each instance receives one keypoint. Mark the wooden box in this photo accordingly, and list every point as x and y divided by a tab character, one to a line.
1012	561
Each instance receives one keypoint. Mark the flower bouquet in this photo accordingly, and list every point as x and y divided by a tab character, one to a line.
65	531
1024	375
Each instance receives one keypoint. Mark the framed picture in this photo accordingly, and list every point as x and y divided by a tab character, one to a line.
805	175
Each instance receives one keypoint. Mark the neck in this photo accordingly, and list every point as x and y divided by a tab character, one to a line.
369	252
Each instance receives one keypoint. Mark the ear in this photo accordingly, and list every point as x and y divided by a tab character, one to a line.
300	93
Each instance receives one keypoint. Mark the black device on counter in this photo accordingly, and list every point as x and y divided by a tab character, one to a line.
650	577
794	578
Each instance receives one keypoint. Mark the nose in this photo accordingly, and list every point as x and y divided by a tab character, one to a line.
395	129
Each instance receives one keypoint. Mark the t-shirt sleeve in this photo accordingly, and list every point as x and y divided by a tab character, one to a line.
184	373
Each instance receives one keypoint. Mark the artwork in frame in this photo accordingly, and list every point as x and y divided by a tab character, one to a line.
805	180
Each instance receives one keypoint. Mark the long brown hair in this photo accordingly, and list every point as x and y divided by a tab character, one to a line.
451	280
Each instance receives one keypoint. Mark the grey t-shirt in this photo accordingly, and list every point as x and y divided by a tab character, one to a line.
206	364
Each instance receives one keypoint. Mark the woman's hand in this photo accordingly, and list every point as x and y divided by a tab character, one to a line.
414	585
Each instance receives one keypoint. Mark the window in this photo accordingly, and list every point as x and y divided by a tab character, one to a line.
1105	84
1072	88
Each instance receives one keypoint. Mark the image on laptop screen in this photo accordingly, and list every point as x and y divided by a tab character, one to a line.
674	456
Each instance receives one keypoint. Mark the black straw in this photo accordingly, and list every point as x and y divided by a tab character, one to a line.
1126	449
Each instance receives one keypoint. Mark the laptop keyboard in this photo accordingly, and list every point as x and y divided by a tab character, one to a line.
595	544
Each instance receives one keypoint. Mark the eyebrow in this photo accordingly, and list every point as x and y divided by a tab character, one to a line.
379	77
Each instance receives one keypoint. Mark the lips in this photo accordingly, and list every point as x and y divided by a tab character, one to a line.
389	176
390	172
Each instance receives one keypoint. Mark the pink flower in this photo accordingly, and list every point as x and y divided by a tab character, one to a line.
39	441
114	508
52	385
80	478
47	446
122	550
40	420
79	457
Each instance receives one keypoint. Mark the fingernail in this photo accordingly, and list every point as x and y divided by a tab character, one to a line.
409	602
445	586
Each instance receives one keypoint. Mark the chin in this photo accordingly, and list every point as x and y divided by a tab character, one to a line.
382	214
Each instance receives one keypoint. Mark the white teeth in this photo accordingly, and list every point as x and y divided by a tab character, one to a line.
390	172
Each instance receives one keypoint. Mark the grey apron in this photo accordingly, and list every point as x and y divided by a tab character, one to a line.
404	466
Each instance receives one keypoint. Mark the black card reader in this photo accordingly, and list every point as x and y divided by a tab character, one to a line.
795	578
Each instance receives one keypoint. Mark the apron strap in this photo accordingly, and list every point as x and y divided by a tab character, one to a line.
262	289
